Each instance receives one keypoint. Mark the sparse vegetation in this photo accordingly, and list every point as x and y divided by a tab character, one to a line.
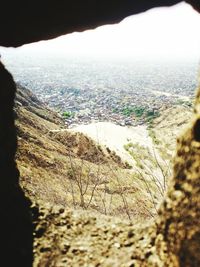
151	170
68	114
141	112
153	136
184	103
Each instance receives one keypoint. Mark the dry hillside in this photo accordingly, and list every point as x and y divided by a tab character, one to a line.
69	169
168	126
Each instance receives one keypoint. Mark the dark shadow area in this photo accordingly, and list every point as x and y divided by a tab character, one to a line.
15	224
25	22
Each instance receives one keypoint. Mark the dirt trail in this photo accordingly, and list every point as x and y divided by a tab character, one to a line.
115	136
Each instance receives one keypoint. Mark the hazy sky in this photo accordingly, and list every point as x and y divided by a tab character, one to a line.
160	32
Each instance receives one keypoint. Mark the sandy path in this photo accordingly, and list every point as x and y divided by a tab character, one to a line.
116	136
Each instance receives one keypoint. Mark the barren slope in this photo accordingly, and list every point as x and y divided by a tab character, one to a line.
168	126
69	169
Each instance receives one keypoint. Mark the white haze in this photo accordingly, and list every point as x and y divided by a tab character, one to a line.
160	33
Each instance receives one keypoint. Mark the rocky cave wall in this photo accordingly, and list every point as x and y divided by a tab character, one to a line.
30	21
175	237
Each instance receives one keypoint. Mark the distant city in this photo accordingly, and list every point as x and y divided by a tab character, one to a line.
85	91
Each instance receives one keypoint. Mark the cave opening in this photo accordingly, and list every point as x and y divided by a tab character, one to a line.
140	114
